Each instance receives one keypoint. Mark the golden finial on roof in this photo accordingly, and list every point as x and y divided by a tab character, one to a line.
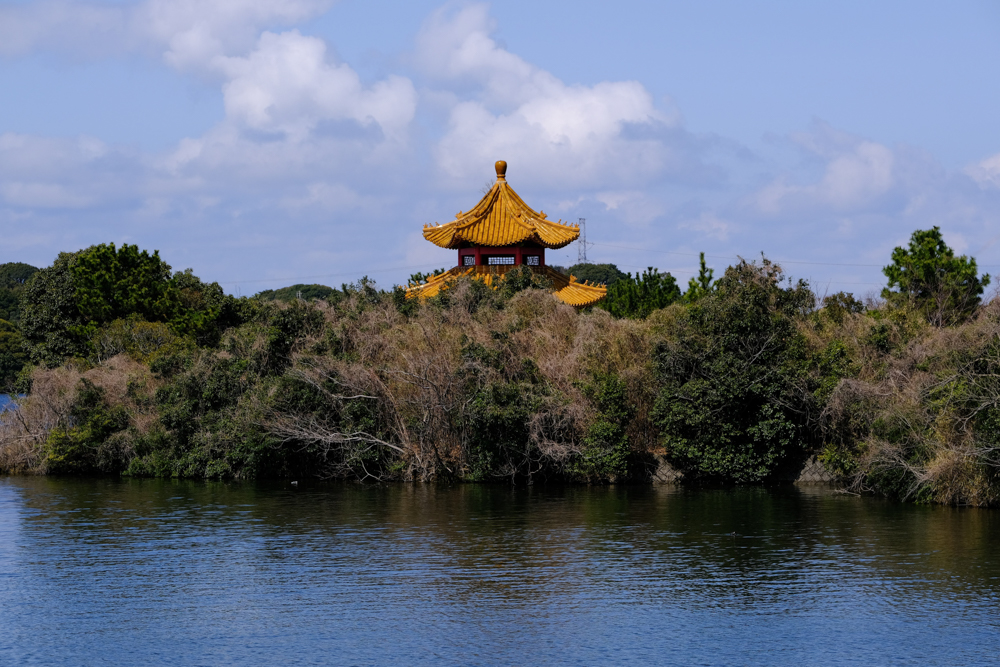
501	218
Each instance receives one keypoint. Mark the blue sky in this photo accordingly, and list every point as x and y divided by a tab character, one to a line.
267	142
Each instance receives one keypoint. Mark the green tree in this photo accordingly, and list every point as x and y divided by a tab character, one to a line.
637	297
605	451
295	292
837	306
731	406
13	277
419	278
700	285
111	283
50	318
604	274
63	307
929	278
12	355
9	305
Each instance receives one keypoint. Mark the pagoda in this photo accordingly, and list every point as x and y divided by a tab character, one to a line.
500	233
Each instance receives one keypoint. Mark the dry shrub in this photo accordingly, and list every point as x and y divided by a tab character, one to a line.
415	370
908	419
24	430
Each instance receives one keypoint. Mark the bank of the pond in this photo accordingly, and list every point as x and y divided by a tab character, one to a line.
125	572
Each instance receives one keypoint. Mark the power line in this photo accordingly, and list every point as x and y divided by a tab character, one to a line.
325	275
582	251
686	272
777	261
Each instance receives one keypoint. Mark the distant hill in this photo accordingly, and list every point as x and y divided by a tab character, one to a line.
607	274
13	276
305	292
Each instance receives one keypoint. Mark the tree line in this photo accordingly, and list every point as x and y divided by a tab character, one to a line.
130	368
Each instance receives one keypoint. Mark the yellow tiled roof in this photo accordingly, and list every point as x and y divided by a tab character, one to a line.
501	218
564	287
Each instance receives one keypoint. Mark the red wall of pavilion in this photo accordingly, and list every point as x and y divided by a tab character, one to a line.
519	252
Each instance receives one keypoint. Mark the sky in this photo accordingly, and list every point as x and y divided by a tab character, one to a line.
269	142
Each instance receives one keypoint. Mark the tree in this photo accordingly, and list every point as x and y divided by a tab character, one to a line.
730	405
12	355
637	297
13	277
604	274
701	285
112	283
16	274
50	318
521	278
295	292
929	278
64	306
837	306
419	278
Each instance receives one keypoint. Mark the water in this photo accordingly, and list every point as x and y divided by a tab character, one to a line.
5	401
181	573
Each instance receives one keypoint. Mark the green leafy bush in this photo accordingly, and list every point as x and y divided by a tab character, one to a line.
89	445
605	454
731	406
636	297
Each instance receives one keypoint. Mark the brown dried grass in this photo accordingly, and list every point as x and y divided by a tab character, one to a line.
24	430
415	369
928	394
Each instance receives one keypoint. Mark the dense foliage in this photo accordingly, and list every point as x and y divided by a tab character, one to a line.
929	278
737	380
13	277
12	356
67	307
731	406
602	274
636	297
294	292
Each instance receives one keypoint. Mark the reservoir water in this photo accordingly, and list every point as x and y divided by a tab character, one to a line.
127	572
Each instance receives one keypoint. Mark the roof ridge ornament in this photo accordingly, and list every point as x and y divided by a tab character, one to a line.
502	218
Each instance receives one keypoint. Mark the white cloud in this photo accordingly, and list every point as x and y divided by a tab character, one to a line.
634	208
986	173
196	30
709	225
548	131
856	173
288	85
185	32
47	173
313	165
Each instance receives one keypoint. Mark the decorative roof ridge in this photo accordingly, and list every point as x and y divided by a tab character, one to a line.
501	218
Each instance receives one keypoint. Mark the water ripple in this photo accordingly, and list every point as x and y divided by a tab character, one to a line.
122	572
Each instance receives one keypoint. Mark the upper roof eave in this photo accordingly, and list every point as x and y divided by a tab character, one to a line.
501	218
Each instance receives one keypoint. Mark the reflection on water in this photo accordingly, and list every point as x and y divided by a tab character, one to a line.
166	572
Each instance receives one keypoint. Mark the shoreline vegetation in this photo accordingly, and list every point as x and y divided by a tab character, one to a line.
128	368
